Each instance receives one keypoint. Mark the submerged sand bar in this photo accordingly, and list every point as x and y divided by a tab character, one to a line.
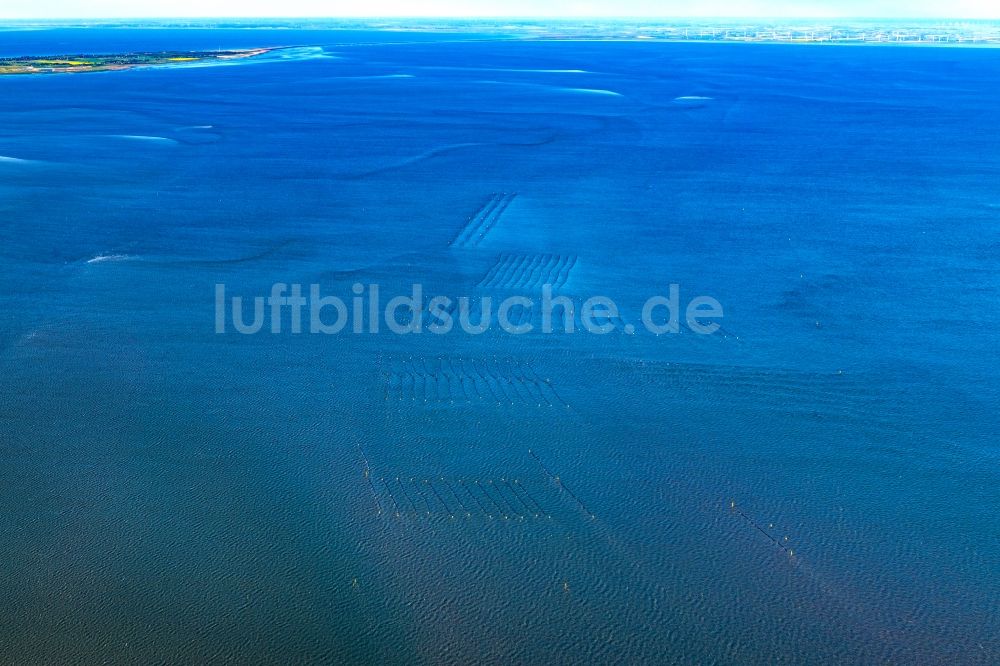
103	63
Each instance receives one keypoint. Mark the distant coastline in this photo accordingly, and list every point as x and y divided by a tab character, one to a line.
103	63
791	30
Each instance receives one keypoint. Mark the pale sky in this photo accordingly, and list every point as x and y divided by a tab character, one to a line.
473	8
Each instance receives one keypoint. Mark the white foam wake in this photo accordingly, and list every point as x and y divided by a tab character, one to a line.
102	258
542	86
377	76
17	160
592	91
143	137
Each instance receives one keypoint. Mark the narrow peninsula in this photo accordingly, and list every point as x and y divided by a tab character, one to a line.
104	63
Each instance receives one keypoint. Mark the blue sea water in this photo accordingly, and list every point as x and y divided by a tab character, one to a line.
170	494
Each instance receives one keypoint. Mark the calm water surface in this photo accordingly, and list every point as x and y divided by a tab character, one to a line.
169	494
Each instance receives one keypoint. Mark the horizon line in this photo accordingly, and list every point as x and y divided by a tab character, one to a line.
504	17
